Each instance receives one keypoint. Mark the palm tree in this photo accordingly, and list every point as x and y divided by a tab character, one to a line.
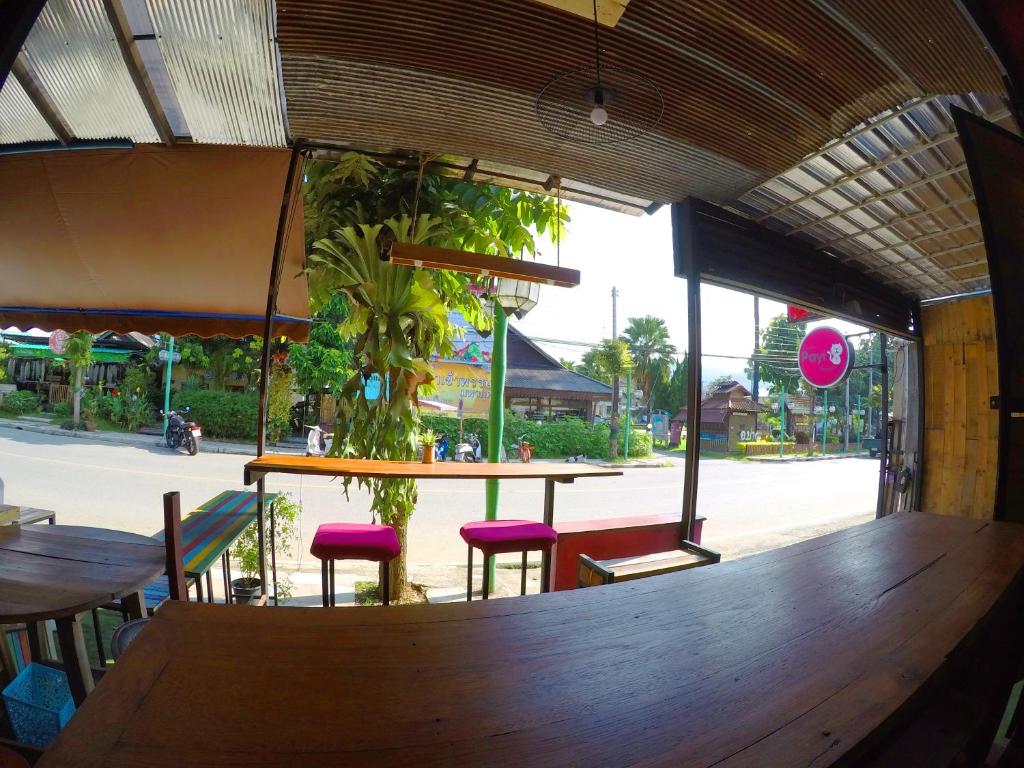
78	353
615	360
653	354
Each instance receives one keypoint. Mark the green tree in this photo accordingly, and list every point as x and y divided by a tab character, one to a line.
652	353
670	395
3	361
398	316
325	362
716	382
569	365
615	360
78	353
780	344
591	365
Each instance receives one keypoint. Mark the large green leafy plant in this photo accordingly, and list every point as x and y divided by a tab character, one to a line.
78	353
398	316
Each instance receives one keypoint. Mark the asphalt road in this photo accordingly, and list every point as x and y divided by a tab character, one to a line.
749	506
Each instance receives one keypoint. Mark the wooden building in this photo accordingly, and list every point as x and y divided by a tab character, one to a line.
727	416
537	386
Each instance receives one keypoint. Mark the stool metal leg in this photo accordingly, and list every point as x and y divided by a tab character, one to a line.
469	576
522	588
324	582
333	598
385	583
487	576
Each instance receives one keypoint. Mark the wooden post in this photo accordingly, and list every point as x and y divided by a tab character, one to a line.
685	254
276	266
176	586
883	418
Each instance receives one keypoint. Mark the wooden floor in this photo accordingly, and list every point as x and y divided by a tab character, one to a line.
791	657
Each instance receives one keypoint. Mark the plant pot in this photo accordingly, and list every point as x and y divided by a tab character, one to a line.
428	454
244	590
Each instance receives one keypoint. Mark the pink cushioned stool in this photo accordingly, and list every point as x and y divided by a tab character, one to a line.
354	541
494	537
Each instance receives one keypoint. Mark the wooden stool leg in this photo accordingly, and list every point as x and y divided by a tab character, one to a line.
324	582
469	576
522	587
487	576
385	583
99	637
333	598
209	587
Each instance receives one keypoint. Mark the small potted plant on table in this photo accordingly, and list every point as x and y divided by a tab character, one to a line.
427	440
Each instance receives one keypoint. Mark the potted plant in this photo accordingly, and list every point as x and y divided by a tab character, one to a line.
245	551
427	440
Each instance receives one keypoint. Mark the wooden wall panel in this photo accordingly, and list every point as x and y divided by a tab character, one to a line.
961	428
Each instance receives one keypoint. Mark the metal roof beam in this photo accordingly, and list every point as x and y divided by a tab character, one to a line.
908	219
137	69
22	69
16	20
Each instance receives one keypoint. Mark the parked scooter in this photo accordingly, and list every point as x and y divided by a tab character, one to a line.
181	433
441	447
469	449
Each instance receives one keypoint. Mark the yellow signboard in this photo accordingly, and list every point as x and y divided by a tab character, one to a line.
457	382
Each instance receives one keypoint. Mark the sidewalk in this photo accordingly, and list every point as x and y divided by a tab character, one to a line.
42	426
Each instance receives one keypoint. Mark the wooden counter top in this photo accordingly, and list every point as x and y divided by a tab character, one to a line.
791	657
563	472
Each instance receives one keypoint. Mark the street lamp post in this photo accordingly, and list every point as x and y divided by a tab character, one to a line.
508	296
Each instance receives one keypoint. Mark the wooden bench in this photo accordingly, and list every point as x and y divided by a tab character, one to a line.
592	573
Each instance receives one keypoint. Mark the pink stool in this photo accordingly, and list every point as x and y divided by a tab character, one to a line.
495	537
354	541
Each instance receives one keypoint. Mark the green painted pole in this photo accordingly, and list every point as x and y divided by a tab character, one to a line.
782	422
167	382
824	426
629	413
496	418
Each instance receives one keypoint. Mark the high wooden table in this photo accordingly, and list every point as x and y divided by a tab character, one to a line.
792	657
60	571
550	473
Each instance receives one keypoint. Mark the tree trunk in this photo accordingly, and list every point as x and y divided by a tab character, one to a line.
613	443
77	395
399	567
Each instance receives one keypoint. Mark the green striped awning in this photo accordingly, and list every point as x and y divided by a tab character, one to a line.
43	351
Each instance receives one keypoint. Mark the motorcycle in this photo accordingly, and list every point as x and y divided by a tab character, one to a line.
441	447
181	433
469	449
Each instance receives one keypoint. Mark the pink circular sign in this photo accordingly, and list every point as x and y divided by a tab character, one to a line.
58	341
826	357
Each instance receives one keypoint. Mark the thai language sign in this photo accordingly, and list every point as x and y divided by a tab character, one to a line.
826	357
458	383
469	346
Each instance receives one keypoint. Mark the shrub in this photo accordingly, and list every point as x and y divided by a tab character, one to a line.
246	550
62	409
550	439
20	402
279	407
140	381
220	413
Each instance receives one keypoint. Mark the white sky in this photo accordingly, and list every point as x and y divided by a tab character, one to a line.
634	254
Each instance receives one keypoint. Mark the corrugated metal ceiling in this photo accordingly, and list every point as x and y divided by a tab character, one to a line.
20	121
221	58
73	51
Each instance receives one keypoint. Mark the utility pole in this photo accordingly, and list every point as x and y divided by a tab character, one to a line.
613	448
757	357
167	380
846	416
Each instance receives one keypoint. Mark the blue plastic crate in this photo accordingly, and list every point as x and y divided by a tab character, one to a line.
38	704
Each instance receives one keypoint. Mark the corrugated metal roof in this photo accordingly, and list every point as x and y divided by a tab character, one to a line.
73	51
555	380
221	58
20	121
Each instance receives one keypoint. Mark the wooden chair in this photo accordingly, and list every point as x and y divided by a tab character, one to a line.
177	590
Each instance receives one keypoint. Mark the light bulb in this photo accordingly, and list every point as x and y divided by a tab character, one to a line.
599	115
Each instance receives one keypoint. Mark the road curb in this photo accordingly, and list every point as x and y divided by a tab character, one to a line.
135	441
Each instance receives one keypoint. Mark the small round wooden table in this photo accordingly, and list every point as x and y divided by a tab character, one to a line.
61	571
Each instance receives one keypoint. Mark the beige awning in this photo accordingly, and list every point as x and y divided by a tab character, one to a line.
175	239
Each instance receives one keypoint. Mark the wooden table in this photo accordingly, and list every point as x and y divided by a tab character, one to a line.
792	657
550	473
60	571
